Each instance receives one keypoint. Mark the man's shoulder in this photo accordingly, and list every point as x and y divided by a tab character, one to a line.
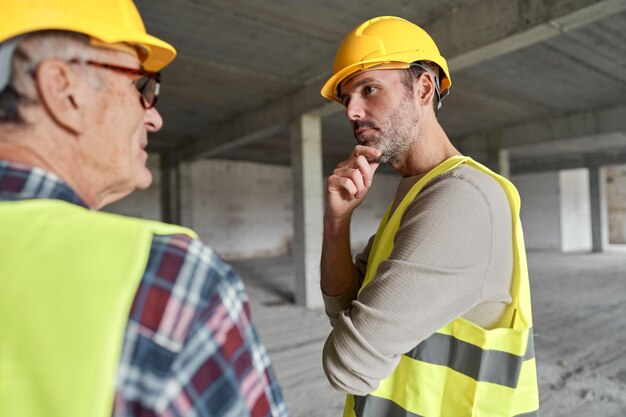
466	180
190	331
460	195
184	282
180	256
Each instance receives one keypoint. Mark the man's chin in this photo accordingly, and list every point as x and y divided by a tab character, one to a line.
369	141
145	179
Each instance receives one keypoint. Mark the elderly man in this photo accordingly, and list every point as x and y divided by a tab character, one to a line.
433	318
102	314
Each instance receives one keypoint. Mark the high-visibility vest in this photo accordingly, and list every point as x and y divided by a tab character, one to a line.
462	369
68	276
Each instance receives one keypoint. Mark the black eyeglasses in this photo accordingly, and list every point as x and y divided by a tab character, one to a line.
148	84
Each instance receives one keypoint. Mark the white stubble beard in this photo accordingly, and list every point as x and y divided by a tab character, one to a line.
396	135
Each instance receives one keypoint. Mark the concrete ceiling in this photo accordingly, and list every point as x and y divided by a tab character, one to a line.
544	79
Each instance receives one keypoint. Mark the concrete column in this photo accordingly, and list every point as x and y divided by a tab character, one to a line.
497	157
170	189
504	165
574	202
308	206
597	196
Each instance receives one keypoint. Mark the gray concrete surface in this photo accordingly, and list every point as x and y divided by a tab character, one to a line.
579	303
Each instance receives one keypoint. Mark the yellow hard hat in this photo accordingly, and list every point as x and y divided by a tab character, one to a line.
383	42
109	21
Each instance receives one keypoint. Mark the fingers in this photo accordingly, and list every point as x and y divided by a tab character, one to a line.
350	181
368	152
366	169
364	158
353	176
344	185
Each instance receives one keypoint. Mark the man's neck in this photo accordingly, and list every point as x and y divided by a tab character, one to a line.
47	158
431	148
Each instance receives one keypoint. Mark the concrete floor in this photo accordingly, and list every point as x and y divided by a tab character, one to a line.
579	303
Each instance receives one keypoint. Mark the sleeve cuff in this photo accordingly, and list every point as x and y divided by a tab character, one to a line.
336	304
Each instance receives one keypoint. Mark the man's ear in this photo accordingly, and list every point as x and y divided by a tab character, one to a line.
59	91
425	89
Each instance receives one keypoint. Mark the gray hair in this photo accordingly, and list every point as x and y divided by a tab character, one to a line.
29	51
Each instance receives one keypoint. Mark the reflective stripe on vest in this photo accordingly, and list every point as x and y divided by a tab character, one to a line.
485	365
68	276
462	369
370	406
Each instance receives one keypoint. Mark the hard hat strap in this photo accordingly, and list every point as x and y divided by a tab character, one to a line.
433	70
7	49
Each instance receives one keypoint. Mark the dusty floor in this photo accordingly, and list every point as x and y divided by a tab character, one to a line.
579	303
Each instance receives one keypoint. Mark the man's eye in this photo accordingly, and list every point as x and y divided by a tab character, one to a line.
368	89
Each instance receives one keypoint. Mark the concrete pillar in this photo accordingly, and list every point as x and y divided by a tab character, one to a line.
504	165
575	210
497	157
308	206
170	189
597	194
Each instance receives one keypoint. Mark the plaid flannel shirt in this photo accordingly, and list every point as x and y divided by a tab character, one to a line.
190	348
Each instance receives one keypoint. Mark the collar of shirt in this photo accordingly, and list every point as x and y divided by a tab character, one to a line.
23	182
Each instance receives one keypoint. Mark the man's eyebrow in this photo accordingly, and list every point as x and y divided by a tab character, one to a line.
357	85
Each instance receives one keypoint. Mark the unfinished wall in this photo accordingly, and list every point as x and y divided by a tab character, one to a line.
242	209
540	209
616	196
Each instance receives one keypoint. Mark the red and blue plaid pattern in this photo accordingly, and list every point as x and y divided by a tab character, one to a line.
189	347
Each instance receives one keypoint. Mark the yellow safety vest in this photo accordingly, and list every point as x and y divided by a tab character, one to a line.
68	277
461	370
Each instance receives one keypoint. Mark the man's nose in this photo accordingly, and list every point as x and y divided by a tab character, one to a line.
354	109
153	120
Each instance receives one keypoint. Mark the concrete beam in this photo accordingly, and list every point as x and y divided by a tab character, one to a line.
572	126
493	28
463	37
240	134
254	126
590	160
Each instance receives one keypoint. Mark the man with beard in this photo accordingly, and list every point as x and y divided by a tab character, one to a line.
433	318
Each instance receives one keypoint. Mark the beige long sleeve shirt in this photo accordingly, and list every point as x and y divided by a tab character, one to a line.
452	256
